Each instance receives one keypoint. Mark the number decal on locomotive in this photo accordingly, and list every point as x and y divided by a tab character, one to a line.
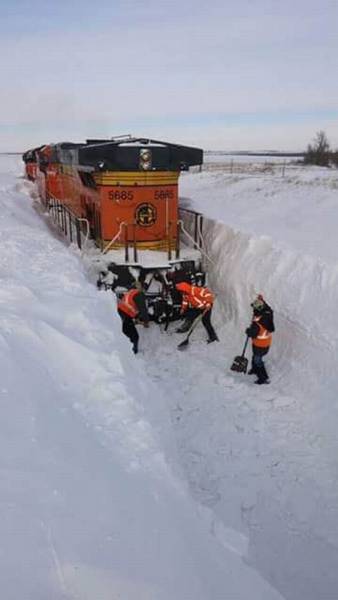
145	215
164	195
121	195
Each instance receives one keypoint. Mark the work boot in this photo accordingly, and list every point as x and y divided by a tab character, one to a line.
252	372
262	376
212	338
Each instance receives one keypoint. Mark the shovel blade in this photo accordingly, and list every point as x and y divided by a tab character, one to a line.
240	364
183	345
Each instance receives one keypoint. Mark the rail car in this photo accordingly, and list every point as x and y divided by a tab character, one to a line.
122	193
30	159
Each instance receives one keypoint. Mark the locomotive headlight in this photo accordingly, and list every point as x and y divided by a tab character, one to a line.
145	159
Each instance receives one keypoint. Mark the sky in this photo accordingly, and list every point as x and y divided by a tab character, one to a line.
220	75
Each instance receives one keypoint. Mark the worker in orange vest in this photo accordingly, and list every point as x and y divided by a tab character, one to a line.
260	332
132	306
196	300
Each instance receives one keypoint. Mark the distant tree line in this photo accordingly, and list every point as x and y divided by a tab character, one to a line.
320	153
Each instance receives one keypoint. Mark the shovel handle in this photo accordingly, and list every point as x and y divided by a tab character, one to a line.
192	327
194	323
245	345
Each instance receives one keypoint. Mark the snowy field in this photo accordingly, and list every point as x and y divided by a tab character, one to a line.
166	475
226	157
248	163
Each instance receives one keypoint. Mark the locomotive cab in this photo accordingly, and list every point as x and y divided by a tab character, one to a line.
137	189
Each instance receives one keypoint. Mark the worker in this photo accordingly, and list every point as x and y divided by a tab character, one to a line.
196	301
260	332
131	307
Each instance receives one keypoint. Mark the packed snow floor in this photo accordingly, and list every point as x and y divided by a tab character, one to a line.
166	475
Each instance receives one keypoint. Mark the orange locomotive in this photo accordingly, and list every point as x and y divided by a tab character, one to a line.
30	159
126	188
122	192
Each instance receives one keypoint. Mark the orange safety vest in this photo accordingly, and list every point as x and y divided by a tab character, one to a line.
198	297
264	337
127	304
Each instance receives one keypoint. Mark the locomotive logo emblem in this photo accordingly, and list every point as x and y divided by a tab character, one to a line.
145	215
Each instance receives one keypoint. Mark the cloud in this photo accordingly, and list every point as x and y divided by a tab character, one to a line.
185	64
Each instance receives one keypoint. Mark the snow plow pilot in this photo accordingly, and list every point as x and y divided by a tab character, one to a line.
260	332
132	306
195	301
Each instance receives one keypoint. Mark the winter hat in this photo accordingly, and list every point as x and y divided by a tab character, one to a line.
258	303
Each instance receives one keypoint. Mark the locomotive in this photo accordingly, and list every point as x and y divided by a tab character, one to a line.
121	196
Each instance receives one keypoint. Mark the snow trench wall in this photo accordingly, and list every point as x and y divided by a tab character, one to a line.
302	290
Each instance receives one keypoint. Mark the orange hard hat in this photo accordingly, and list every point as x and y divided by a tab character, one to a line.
183	287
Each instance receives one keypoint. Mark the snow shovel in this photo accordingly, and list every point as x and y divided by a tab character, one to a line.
185	342
240	363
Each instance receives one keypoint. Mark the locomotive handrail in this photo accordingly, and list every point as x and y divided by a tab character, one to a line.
83	220
180	222
75	218
199	229
122	224
198	221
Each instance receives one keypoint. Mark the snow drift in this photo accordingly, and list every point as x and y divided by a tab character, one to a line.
93	499
166	474
277	237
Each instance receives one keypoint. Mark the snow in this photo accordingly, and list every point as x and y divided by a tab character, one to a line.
225	158
93	498
276	236
292	210
166	475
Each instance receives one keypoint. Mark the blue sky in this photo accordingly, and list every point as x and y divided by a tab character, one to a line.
223	75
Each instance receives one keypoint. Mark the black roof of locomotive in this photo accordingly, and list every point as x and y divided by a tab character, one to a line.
29	155
123	154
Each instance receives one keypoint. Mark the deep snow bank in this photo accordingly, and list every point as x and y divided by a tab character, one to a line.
277	236
279	446
90	504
